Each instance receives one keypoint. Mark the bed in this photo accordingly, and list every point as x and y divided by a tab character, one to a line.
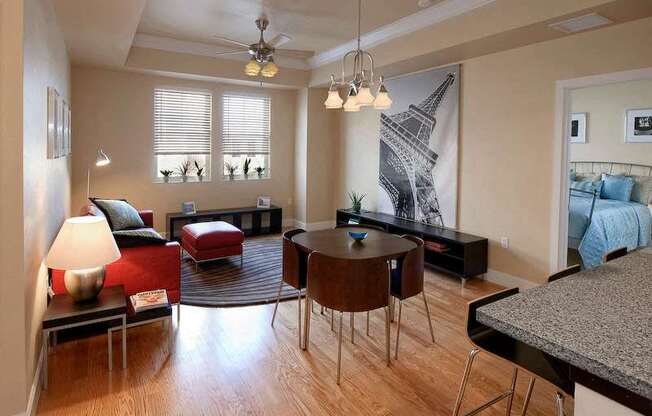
597	225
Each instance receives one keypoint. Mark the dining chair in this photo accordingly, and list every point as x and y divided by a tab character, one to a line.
407	281
576	268
294	272
369	226
346	285
520	355
614	254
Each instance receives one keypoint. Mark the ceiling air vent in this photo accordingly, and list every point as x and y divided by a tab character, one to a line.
580	23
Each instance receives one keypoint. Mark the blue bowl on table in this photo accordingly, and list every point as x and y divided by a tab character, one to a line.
358	236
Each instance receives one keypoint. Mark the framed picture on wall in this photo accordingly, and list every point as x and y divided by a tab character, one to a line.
577	132
638	126
263	202
188	208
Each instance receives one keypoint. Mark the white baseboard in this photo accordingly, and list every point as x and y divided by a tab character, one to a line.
508	280
289	222
35	391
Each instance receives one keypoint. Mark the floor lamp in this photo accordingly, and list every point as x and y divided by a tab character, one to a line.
101	160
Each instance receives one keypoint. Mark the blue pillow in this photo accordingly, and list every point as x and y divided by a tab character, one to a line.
618	188
573	176
586	186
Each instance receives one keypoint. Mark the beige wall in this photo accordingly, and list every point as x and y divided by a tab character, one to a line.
113	110
13	377
301	155
506	139
605	132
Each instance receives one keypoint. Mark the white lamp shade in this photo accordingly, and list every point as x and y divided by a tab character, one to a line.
382	101
351	104
333	100
364	96
83	243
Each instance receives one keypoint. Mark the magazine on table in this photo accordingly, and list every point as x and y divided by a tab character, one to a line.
149	300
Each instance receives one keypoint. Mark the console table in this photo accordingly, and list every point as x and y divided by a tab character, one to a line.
465	255
234	214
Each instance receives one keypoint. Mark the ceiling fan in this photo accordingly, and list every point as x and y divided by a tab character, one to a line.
262	52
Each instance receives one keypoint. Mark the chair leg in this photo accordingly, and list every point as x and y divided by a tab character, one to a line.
298	315
425	303
278	299
526	401
332	319
339	350
367	323
465	378
352	328
306	336
510	399
392	308
398	328
387	336
559	401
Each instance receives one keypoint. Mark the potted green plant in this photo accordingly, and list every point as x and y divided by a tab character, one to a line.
260	170
231	169
184	169
200	171
356	201
166	174
245	167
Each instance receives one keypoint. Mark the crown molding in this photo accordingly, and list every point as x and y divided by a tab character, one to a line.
204	49
406	25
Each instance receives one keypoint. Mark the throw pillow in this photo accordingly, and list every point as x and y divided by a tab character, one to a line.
587	186
642	192
138	237
119	214
618	188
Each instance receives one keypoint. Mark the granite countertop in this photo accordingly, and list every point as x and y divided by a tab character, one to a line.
599	320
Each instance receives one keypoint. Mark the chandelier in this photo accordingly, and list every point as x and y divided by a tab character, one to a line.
359	87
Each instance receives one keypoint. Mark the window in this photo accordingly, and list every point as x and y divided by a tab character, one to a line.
246	134
182	133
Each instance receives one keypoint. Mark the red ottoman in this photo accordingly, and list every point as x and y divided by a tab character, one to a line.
205	241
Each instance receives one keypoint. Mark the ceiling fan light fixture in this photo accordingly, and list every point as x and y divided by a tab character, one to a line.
252	68
270	69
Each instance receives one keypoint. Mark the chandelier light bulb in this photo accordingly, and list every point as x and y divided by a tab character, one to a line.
334	100
252	68
351	104
382	101
364	95
270	69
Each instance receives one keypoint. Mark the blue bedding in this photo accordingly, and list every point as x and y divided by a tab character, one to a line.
614	224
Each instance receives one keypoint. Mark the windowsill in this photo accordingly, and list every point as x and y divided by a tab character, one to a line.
177	179
237	178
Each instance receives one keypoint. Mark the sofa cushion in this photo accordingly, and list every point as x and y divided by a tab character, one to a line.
138	237
119	214
211	235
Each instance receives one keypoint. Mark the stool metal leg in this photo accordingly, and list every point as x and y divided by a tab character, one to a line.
387	334
526	401
510	399
367	323
352	328
398	328
332	319
306	336
465	378
299	315
425	303
278	299
339	350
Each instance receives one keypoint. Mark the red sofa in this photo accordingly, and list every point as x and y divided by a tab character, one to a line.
140	268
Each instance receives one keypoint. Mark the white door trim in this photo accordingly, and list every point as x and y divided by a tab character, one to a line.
559	206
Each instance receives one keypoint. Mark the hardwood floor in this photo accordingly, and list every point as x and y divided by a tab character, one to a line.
230	362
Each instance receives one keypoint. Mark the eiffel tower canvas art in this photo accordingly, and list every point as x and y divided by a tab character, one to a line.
418	148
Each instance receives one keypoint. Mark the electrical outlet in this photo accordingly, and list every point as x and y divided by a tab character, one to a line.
504	242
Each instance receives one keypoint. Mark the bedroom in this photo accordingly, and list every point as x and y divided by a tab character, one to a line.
610	162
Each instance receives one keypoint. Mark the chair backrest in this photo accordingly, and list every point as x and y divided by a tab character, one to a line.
411	271
614	254
564	273
348	285
294	261
474	328
370	226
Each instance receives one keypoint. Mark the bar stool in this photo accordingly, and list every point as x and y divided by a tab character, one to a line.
520	355
294	272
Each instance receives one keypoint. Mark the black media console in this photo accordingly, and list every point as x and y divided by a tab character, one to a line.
459	254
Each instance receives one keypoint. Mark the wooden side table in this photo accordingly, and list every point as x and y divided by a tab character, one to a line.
63	313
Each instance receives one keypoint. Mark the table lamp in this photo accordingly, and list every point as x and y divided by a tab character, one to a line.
83	247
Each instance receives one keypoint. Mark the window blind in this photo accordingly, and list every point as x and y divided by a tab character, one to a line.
245	124
182	122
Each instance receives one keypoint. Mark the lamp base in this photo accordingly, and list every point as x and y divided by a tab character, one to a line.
85	284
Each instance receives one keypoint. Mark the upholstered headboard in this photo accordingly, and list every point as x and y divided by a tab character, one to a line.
612	168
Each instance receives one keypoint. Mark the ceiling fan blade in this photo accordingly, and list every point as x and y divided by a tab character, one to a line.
235	42
279	40
295	53
230	53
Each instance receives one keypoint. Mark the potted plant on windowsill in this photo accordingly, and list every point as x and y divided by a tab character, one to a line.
183	170
356	201
166	175
231	169
200	172
259	171
245	167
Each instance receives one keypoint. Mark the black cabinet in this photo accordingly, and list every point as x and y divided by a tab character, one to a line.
447	250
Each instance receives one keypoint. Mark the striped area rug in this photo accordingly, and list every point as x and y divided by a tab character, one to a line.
224	283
